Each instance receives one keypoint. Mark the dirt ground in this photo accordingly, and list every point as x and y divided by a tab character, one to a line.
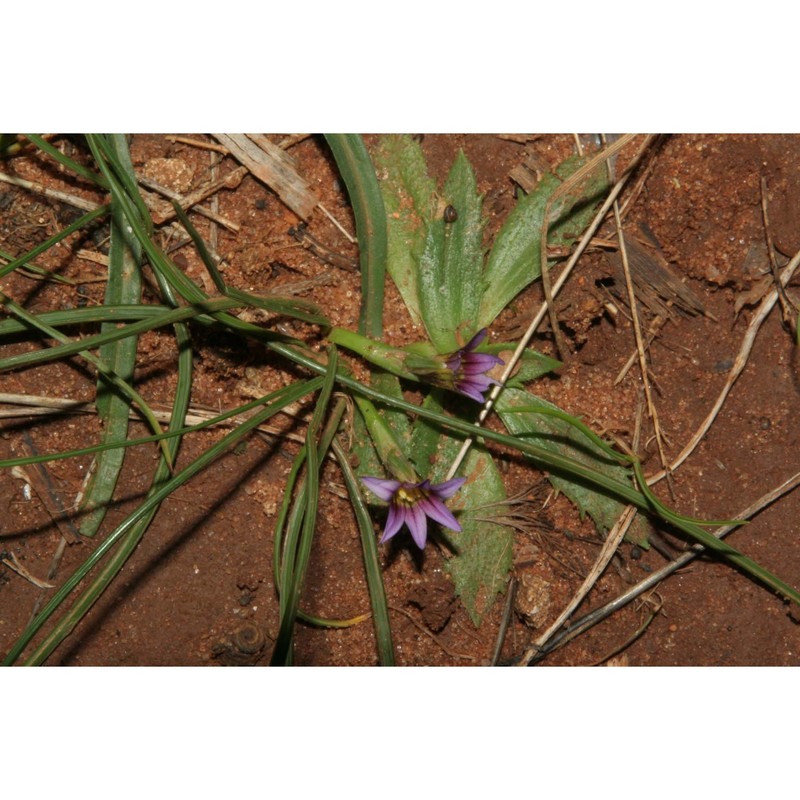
199	588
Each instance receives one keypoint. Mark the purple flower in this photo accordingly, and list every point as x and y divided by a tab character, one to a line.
468	369
412	503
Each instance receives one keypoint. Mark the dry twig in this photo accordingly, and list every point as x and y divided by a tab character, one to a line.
612	542
13	563
652	580
640	345
761	314
191	200
274	167
53	194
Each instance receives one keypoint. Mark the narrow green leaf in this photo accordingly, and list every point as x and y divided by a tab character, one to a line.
124	286
356	169
299	539
68	347
86	219
273	404
290	307
131	538
65	160
564	465
200	246
372	564
122	386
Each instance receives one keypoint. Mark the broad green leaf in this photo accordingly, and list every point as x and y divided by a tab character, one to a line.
425	435
409	196
482	563
515	258
452	262
560	437
532	365
398	421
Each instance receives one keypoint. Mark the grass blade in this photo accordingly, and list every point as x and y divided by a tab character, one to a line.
79	223
118	383
124	286
273	404
131	539
299	539
356	169
66	161
372	564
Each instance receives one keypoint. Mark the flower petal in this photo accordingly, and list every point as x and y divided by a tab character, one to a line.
471	392
394	521
453	362
476	340
438	511
480	382
448	488
480	362
382	487
417	523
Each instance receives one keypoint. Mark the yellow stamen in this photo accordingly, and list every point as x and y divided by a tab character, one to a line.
409	496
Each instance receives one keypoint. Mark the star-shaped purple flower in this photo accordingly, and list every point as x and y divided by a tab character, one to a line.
469	369
412	503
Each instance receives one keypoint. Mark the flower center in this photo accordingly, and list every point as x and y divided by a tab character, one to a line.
409	495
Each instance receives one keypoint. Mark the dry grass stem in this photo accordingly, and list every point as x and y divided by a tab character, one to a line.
786	304
761	314
338	224
13	563
572	182
53	194
292	140
214	160
200	145
652	580
164	214
274	167
505	622
655	327
656	606
612	542
640	345
30	406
